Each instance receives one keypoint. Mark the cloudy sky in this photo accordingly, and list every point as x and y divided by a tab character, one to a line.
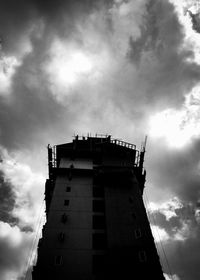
129	68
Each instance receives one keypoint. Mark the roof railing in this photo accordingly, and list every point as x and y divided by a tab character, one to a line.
108	138
124	144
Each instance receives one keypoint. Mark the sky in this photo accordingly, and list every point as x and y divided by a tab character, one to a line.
128	68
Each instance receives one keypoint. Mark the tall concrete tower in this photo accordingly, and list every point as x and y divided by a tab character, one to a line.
97	227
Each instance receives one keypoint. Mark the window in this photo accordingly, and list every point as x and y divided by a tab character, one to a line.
98	264
133	214
64	218
97	159
131	200
98	192
142	256
70	176
68	189
99	241
61	237
66	202
98	206
138	233
58	260
98	222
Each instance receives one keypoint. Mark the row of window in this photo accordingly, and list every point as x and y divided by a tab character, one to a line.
97	205
98	221
99	260
98	239
97	191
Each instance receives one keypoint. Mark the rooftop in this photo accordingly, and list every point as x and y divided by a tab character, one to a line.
105	138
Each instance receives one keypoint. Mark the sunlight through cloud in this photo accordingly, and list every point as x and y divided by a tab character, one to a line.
68	64
178	127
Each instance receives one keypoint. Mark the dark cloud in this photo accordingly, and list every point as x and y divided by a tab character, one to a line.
183	255
162	62
195	21
7	200
152	72
176	170
17	19
28	112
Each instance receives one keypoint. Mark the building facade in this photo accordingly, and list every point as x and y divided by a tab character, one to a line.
97	227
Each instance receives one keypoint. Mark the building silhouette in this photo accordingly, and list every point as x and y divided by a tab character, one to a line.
97	226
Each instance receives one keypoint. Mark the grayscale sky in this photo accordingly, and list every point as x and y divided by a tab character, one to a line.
127	68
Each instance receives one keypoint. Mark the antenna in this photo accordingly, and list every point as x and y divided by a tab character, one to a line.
145	142
143	148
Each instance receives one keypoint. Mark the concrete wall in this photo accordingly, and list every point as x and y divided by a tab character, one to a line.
77	163
76	246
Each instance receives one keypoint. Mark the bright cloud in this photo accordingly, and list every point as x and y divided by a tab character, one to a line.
12	233
192	38
168	208
71	65
159	234
15	248
8	65
28	189
178	216
170	277
178	127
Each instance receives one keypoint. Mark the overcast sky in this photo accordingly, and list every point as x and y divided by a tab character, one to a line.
127	68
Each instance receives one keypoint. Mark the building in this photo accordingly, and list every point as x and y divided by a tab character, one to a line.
97	226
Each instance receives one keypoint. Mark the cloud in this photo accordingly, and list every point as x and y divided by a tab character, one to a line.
174	277
181	126
164	71
137	58
179	234
15	247
7	197
22	215
177	171
22	192
8	66
99	33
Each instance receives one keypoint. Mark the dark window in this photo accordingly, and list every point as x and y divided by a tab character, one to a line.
98	206
98	222
66	202
70	176
58	260
64	218
99	241
133	215
68	189
97	159
98	192
138	233
98	264
61	237
142	256
131	200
